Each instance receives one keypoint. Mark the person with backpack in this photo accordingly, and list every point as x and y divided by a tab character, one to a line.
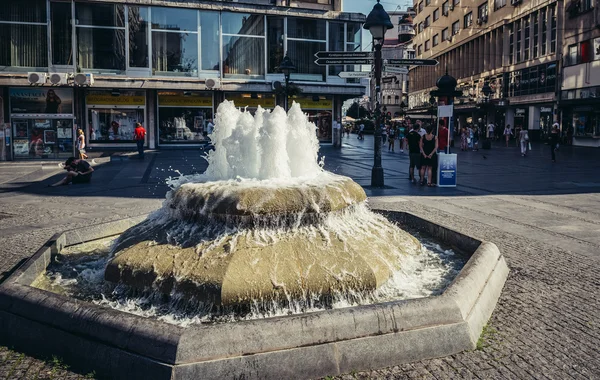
140	138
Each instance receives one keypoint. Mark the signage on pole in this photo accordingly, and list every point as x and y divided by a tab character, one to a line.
446	175
344	54
337	61
445	111
395	70
411	62
354	74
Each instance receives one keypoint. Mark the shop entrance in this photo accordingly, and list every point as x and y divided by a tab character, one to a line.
42	138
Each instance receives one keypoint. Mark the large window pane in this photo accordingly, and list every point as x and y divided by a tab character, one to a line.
181	125
23	10
243	23
101	49
209	32
62	46
243	57
275	42
175	53
302	54
354	33
138	37
100	14
23	45
307	28
336	43
175	19
113	125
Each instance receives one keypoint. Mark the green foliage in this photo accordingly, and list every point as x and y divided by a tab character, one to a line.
357	112
488	332
291	91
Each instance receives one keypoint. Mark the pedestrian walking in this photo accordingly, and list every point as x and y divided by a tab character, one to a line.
463	139
507	133
470	136
81	154
140	137
392	138
429	145
518	130
413	140
554	137
361	131
384	133
523	139
475	138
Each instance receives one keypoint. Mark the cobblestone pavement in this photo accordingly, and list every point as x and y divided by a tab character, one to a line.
545	219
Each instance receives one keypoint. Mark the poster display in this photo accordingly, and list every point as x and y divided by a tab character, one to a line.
21	147
446	175
41	101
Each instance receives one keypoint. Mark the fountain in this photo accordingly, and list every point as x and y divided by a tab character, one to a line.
266	266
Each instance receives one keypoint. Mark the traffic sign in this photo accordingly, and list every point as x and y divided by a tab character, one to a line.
336	61
344	54
354	74
411	62
395	70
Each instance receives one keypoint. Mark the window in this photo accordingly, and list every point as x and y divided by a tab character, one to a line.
455	2
527	27
421	28
436	14
420	7
336	43
209	39
455	28
353	43
553	29
536	34
305	38
445	8
100	37
243	45
499	4
445	35
62	36
138	37
543	14
511	44
586	53
518	39
275	33
24	34
482	12
174	41
436	40
427	2
419	50
427	45
427	21
586	5
468	20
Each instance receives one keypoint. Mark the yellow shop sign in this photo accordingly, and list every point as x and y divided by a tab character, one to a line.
185	101
309	104
247	101
109	100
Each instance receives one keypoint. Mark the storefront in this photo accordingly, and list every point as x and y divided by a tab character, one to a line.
546	121
251	101
42	122
581	115
111	116
183	117
319	110
521	118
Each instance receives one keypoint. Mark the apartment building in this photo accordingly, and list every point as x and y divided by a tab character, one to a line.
514	45
104	65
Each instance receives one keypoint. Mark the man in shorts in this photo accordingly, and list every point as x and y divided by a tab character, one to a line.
78	171
413	140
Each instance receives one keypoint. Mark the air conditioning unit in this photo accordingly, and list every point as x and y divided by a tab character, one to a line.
58	79
83	79
36	78
276	85
212	83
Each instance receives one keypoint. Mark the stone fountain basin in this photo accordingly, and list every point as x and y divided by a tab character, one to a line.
118	345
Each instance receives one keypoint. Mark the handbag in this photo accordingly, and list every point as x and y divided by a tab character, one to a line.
529	146
527	137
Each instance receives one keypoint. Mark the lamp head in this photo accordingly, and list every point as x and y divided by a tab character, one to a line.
287	66
378	22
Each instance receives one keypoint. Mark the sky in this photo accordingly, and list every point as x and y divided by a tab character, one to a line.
365	7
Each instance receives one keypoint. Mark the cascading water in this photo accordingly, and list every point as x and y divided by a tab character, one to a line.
264	231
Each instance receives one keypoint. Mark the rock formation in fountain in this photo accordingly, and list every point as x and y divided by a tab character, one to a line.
264	222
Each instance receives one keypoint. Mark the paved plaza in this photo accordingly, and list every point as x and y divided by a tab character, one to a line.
544	217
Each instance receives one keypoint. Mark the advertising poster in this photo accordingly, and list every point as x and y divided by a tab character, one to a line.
446	175
21	147
49	137
20	129
46	101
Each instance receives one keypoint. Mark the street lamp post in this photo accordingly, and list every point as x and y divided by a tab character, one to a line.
286	67
486	90
378	22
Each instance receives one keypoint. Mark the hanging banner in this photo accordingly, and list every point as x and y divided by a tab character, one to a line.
41	101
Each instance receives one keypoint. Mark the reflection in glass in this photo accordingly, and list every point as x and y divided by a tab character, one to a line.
62	47
243	23
23	11
23	45
113	125
209	31
100	14
354	33
336	43
183	125
302	54
42	138
101	48
306	28
322	120
275	42
138	36
175	52
174	19
243	56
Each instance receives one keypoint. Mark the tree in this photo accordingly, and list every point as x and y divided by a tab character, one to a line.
358	112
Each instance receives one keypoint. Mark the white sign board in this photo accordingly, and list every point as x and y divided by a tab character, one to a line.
445	111
395	70
354	74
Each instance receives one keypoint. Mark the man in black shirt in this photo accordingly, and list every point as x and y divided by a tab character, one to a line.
414	152
78	171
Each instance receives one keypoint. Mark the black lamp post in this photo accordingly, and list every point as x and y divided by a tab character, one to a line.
432	103
486	90
378	22
286	67
446	85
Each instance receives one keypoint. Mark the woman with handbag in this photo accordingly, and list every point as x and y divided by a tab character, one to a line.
524	140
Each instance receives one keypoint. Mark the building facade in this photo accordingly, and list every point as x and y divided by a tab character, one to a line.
514	45
104	65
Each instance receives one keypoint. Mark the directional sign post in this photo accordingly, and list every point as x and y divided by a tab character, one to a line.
354	74
395	70
337	61
411	62
344	54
